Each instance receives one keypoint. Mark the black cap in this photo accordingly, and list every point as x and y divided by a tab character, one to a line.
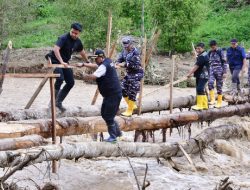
234	40
213	43
201	44
99	53
76	26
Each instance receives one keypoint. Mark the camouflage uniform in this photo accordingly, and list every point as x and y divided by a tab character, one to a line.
131	82
218	67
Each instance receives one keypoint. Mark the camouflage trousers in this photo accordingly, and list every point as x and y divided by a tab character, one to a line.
216	74
131	85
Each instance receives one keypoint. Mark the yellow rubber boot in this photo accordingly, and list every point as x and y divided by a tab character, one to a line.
198	105
126	99
219	101
130	109
212	97
204	102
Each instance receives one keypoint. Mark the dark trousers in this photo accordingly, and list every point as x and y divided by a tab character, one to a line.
200	86
66	74
110	107
235	75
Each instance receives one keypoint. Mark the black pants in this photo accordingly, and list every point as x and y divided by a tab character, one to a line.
66	74
110	107
200	86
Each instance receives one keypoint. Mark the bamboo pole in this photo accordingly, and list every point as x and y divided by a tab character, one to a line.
166	86
31	75
144	48
107	52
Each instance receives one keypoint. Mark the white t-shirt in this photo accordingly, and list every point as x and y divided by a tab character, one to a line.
101	71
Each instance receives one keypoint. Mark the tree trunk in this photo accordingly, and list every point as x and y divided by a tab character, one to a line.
78	125
21	142
88	111
99	149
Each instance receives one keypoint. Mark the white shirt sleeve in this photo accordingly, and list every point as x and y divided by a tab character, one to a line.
101	71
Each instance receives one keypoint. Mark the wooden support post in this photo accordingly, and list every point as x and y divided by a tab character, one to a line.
38	90
171	90
153	43
171	85
143	58
107	51
53	116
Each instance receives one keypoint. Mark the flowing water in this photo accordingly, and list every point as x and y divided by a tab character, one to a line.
225	159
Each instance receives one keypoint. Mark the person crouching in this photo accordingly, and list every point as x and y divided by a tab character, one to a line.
109	86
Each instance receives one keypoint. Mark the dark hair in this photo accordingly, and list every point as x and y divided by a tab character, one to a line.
201	44
76	26
213	43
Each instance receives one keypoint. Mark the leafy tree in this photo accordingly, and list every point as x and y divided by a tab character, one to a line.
176	18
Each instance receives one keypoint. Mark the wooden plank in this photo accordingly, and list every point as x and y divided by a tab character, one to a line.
31	75
107	52
143	59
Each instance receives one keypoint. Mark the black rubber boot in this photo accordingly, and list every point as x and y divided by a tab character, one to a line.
112	133
60	97
118	131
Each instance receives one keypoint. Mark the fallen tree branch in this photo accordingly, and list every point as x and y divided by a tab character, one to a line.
100	149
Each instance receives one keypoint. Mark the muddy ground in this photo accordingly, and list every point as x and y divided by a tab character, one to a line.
232	160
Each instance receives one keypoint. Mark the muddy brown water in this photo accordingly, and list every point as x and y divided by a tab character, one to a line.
231	159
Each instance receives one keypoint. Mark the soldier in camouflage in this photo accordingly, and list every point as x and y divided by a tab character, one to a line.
134	73
218	70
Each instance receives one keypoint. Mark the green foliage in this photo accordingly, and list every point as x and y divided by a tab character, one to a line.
37	23
176	18
223	27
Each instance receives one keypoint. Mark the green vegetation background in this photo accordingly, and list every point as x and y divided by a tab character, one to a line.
38	23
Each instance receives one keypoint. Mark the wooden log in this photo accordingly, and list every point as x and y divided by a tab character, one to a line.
102	149
78	125
88	111
30	75
21	142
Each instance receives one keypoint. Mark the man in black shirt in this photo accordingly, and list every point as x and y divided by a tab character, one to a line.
109	86
61	54
201	73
